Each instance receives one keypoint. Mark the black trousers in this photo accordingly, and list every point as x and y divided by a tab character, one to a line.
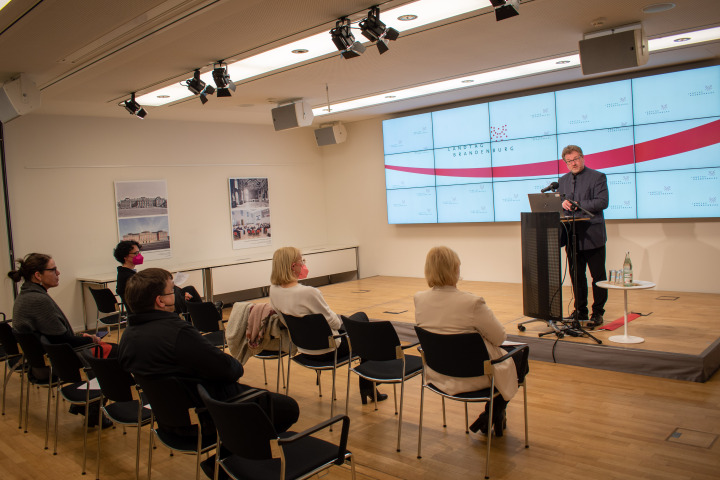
594	260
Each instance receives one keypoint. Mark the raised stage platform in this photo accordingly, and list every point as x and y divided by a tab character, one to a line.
681	329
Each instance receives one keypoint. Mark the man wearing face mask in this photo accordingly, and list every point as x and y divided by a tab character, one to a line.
158	342
128	254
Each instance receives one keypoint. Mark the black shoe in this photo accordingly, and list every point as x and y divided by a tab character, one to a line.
380	397
106	422
596	320
500	424
481	424
583	317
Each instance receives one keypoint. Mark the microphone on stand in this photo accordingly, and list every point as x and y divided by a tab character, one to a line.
553	186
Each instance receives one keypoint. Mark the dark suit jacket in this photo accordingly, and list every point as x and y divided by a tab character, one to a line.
589	189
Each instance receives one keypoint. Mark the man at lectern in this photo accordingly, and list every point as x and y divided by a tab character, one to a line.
588	188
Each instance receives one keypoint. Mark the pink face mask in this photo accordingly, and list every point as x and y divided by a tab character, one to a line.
303	272
138	259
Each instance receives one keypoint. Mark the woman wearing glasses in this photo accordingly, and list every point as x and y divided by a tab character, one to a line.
34	310
289	296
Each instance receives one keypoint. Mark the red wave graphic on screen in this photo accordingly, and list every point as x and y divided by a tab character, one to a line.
681	142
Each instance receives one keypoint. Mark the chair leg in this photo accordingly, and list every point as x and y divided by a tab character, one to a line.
467	430
524	385
352	467
264	371
402	392
395	398
443	409
22	391
150	446
57	410
137	447
347	394
422	404
27	403
5	382
85	426
490	433
318	372
287	384
99	429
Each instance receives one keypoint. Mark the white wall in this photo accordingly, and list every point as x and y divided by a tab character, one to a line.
681	255
61	172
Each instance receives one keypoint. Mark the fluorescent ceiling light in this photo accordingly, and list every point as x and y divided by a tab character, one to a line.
454	84
3	3
319	45
654	45
663	43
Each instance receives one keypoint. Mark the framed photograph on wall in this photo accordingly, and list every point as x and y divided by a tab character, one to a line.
249	212
142	215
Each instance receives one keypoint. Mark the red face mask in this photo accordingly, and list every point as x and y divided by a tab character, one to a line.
303	272
138	259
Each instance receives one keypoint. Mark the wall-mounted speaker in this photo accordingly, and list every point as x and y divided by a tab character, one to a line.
614	51
291	116
330	135
18	97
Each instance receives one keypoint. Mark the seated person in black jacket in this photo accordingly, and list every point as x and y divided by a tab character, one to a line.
128	254
157	342
36	312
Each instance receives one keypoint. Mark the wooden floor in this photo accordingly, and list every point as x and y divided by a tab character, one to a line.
584	423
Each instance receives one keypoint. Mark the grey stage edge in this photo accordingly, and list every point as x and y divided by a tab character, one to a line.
693	368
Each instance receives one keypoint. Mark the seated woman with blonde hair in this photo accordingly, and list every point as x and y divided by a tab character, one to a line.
289	296
446	310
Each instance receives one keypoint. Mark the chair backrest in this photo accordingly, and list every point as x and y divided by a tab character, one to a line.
456	355
170	399
32	349
115	383
104	300
7	339
65	362
204	316
244	428
310	332
372	340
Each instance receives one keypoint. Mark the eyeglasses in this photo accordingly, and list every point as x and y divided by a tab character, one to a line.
53	269
573	160
166	294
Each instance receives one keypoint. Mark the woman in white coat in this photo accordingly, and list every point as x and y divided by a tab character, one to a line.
446	310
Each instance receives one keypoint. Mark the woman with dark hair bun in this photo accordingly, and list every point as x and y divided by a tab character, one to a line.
34	310
37	313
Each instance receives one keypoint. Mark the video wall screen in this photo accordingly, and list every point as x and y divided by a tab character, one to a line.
657	139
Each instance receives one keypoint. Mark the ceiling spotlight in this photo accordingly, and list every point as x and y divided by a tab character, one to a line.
344	40
376	31
222	80
198	87
133	107
505	8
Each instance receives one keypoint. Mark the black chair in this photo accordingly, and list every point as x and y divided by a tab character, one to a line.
384	359
10	353
207	319
73	384
256	451
464	355
109	311
175	410
124	408
35	359
309	333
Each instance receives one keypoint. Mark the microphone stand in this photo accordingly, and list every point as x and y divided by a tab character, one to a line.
575	329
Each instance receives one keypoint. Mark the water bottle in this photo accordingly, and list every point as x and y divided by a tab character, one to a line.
627	271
